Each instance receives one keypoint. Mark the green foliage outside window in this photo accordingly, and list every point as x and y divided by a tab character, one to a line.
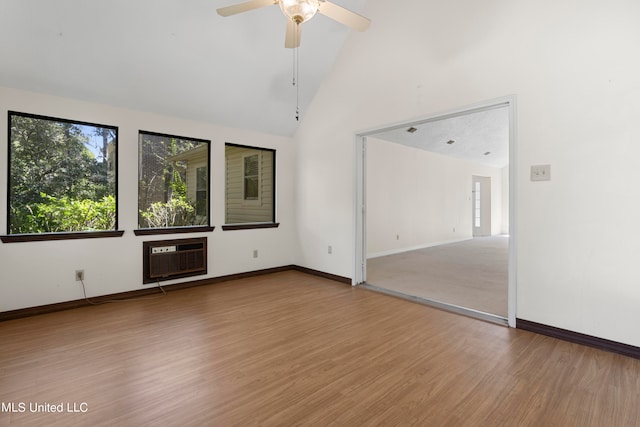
64	214
62	176
169	175
174	213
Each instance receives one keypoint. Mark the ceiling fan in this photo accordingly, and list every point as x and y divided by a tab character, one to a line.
299	11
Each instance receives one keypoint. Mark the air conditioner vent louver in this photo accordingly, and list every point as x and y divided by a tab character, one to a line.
172	259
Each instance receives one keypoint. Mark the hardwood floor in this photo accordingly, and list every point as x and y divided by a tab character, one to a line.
293	349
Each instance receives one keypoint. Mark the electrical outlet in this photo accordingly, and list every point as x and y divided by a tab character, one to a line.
541	173
79	275
330	250
255	253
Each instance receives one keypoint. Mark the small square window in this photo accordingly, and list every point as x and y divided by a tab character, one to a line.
250	185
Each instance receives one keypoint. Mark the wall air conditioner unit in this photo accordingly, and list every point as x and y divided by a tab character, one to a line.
173	259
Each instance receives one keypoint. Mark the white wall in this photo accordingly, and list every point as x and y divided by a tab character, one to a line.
37	273
417	199
574	69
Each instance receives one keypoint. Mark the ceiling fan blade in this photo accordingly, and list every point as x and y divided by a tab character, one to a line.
244	7
292	39
344	16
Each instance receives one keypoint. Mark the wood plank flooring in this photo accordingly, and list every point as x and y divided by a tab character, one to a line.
293	349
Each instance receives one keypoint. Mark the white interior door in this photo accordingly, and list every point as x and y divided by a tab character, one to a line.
481	206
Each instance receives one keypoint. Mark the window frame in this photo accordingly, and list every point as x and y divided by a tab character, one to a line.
178	229
253	225
65	235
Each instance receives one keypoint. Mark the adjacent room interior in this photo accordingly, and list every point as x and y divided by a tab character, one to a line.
437	223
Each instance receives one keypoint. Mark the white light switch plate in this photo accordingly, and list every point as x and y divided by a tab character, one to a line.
541	173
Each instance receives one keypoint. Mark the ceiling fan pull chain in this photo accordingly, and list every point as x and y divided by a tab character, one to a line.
296	71
298	86
293	69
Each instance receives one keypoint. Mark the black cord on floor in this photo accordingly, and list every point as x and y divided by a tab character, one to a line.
84	291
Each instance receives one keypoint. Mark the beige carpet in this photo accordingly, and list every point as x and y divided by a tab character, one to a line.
471	274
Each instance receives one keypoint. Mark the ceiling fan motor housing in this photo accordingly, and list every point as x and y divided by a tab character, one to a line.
299	11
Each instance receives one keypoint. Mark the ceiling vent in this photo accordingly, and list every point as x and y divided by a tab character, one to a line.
412	129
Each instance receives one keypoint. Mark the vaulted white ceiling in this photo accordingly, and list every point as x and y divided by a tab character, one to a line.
171	57
184	60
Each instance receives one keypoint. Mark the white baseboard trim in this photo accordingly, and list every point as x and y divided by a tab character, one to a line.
413	248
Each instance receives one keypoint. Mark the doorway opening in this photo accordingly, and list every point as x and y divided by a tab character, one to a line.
435	213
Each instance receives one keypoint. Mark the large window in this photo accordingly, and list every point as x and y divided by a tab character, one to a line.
173	181
250	185
62	176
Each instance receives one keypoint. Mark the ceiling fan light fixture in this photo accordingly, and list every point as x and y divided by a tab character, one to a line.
299	11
